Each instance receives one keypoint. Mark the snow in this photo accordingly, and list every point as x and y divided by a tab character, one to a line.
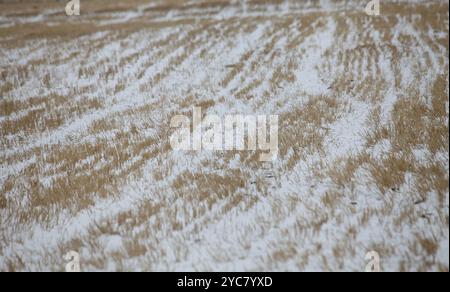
263	224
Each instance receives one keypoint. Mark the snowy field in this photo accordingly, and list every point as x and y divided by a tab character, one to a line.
86	163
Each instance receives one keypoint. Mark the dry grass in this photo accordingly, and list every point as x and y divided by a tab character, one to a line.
84	136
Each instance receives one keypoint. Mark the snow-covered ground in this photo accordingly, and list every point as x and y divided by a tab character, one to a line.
86	164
